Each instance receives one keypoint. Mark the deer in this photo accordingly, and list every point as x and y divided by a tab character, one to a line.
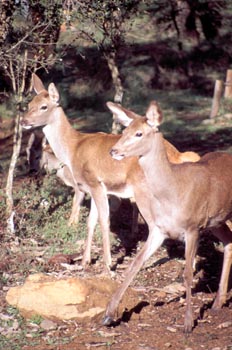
48	161
186	199
34	151
87	156
40	156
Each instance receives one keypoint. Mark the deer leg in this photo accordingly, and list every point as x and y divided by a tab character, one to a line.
225	235
191	241
114	203
77	200
135	218
91	224
102	204
154	241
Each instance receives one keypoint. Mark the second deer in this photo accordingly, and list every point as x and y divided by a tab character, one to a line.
186	199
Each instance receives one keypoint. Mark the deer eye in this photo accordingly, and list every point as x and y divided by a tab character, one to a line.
44	107
139	134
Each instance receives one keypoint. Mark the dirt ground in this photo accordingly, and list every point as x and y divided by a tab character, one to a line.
155	322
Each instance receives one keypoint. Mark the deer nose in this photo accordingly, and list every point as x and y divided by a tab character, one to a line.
113	152
23	122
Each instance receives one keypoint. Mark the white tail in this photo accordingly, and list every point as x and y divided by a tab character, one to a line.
88	159
187	198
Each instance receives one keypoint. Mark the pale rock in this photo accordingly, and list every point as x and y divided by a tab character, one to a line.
171	329
64	299
48	325
225	324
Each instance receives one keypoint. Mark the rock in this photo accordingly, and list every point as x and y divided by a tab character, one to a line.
168	345
64	299
171	329
225	324
48	325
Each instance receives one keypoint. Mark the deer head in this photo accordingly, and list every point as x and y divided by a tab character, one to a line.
40	109
131	143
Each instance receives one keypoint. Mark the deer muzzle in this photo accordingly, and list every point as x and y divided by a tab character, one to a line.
116	155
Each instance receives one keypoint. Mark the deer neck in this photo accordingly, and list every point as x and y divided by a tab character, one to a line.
61	136
158	170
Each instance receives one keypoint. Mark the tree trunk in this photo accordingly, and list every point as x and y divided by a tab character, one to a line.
9	185
116	127
18	88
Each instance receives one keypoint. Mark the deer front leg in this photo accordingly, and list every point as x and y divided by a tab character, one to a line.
102	203
91	224
223	285
225	235
154	241
191	242
77	200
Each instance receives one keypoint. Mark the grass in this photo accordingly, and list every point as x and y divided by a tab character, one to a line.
13	331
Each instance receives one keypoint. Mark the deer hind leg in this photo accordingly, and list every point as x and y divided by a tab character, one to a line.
191	242
77	200
154	241
91	224
135	219
225	235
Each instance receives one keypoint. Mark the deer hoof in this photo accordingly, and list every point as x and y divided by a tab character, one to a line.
107	321
188	328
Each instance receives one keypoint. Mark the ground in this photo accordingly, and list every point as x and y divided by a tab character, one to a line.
155	321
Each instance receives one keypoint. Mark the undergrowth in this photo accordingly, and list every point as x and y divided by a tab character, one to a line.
42	210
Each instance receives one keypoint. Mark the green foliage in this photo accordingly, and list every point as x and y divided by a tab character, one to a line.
43	209
209	14
28	43
36	319
14	331
6	110
103	21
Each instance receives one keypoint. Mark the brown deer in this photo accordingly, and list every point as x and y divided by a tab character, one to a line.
93	169
186	199
50	163
40	156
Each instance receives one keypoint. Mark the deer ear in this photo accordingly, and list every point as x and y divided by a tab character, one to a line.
37	84
121	114
154	115
53	93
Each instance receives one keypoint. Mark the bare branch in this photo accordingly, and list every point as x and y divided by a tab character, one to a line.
24	72
12	75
